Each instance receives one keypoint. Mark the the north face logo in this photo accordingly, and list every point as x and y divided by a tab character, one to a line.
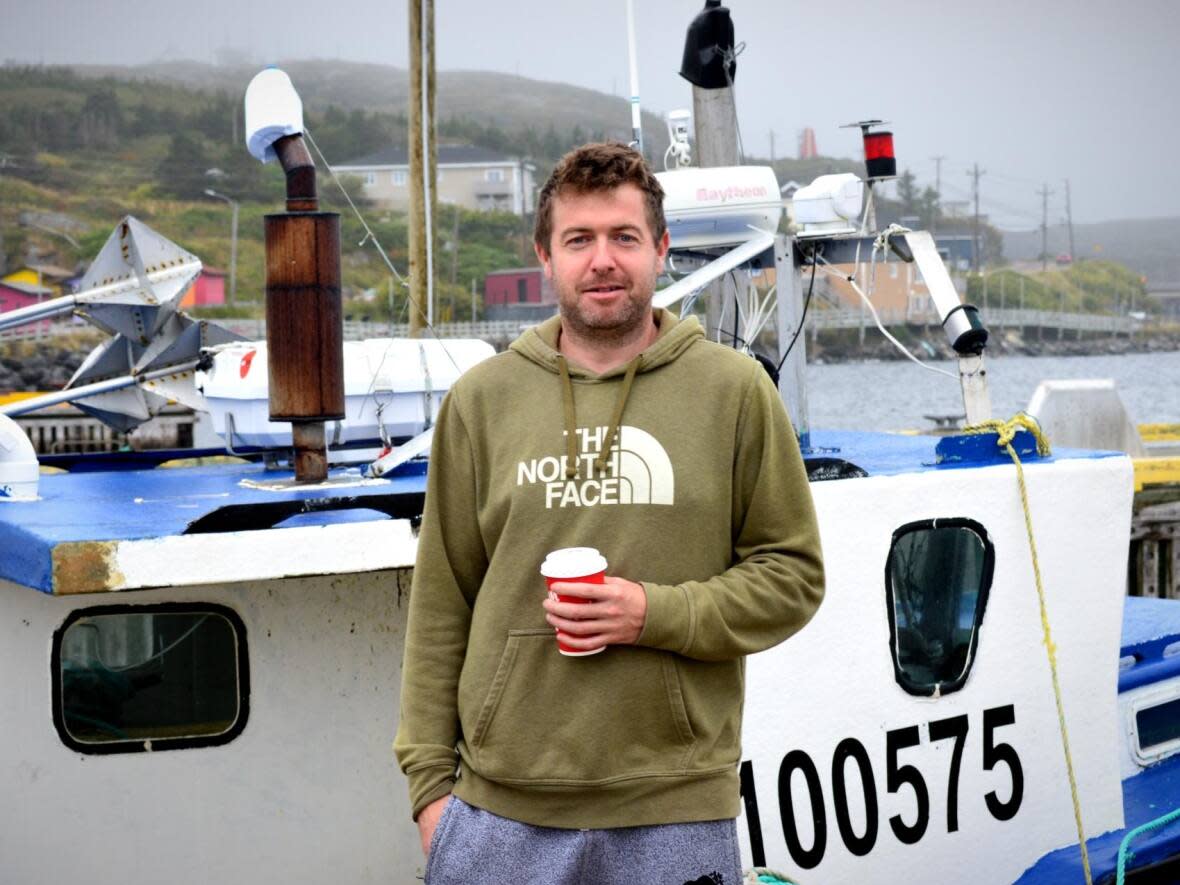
638	471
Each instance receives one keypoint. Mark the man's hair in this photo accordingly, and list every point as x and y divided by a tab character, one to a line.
593	168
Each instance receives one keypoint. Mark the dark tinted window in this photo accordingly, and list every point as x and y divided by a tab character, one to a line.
1159	724
937	579
130	678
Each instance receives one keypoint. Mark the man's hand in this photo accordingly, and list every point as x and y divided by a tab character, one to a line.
428	821
614	614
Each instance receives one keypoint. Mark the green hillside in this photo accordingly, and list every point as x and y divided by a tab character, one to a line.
79	152
80	148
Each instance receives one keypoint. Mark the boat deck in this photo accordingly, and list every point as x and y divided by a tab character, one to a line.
94	531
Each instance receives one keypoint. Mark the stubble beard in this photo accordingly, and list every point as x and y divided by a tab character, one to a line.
612	328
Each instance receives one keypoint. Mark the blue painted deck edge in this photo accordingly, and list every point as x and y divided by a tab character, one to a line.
892	454
1147	796
149	504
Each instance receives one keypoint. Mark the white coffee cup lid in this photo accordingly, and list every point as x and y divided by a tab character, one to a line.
573	562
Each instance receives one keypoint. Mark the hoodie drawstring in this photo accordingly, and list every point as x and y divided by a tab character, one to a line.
600	461
567	402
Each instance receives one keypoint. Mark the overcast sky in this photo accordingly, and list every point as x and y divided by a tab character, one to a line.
1034	91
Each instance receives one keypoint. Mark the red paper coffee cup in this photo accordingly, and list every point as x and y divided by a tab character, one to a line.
580	565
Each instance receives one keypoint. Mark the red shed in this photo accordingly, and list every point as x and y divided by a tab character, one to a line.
517	285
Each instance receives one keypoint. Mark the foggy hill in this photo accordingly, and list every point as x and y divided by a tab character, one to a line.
1147	246
506	100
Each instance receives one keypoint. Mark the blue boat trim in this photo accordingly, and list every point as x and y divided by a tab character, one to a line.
893	454
134	505
1149	627
1141	804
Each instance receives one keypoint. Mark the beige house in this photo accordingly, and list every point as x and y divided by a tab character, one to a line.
898	291
468	176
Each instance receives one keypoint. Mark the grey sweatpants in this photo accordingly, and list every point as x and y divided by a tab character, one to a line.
475	847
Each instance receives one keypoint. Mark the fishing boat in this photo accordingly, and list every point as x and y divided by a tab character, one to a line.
201	662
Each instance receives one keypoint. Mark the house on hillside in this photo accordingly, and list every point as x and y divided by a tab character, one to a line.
16	295
1167	296
206	290
788	194
47	279
896	288
468	176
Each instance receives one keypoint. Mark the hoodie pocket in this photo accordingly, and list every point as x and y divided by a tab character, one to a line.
556	719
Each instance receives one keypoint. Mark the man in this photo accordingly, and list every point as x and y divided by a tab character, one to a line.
616	427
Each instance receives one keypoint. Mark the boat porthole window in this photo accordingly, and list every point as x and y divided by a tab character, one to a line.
133	678
937	578
1155	725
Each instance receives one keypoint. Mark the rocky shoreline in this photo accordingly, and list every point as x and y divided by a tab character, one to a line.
931	344
47	365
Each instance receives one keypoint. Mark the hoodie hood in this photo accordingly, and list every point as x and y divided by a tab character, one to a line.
539	345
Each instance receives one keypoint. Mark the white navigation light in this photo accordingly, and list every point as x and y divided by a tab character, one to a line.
273	110
829	205
960	321
720	206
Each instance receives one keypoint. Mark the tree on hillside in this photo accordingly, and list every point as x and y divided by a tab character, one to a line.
345	136
182	171
101	120
923	204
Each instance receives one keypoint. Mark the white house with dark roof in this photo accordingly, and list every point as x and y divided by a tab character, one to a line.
468	176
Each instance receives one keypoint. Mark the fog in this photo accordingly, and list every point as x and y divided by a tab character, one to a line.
1034	92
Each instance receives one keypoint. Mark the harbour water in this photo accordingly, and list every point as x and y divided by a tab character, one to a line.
895	395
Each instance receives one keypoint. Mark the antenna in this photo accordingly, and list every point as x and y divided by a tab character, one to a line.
636	117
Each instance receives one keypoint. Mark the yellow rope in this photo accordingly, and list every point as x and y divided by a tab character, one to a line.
1005	431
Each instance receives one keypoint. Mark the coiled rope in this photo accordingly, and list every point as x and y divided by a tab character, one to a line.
1005	431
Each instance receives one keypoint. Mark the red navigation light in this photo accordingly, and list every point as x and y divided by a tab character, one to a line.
879	159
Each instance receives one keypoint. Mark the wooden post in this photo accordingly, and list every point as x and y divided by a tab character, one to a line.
423	165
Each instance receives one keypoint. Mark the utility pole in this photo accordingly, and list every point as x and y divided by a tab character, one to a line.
455	246
1073	256
1045	192
938	193
233	242
423	165
975	245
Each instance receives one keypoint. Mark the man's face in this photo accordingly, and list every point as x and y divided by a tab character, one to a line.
603	263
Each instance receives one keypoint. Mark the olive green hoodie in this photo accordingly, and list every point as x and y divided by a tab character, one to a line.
683	470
